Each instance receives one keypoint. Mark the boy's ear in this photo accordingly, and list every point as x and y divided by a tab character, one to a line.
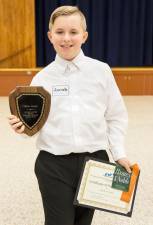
85	36
49	36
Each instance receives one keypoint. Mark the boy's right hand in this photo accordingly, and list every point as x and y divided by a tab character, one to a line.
16	124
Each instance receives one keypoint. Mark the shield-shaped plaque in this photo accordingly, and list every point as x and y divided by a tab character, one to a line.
31	104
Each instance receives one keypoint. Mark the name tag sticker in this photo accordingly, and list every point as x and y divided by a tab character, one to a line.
60	90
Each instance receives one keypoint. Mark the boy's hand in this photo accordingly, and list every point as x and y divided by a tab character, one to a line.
16	124
125	163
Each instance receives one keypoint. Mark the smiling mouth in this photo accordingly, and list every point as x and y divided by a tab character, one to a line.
66	46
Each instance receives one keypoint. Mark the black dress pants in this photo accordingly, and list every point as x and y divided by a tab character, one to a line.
58	176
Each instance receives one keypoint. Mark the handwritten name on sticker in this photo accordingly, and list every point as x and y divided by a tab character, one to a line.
60	90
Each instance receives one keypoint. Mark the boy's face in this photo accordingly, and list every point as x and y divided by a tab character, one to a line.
67	36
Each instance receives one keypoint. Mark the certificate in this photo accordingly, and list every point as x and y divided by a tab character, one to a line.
95	188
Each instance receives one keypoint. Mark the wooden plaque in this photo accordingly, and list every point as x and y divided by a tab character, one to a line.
31	104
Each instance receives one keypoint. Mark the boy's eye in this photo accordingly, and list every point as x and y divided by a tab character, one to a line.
73	32
59	32
62	32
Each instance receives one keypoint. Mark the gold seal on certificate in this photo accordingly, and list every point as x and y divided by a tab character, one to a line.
31	104
97	190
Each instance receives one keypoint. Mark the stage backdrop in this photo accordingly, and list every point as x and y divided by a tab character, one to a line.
120	31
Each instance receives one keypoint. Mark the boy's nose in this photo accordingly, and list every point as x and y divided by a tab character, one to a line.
67	37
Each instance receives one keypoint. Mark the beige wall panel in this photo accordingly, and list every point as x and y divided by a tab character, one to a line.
17	38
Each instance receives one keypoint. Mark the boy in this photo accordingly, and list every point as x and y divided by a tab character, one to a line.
87	117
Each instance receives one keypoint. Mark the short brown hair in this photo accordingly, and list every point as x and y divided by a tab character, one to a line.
66	11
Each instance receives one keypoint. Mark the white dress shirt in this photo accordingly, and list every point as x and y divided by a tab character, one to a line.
87	111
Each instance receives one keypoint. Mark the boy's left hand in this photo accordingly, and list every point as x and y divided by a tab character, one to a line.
125	163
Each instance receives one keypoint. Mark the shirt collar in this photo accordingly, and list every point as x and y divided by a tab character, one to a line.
77	61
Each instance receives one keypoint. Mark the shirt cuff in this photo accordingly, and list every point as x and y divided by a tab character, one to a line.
23	135
118	153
